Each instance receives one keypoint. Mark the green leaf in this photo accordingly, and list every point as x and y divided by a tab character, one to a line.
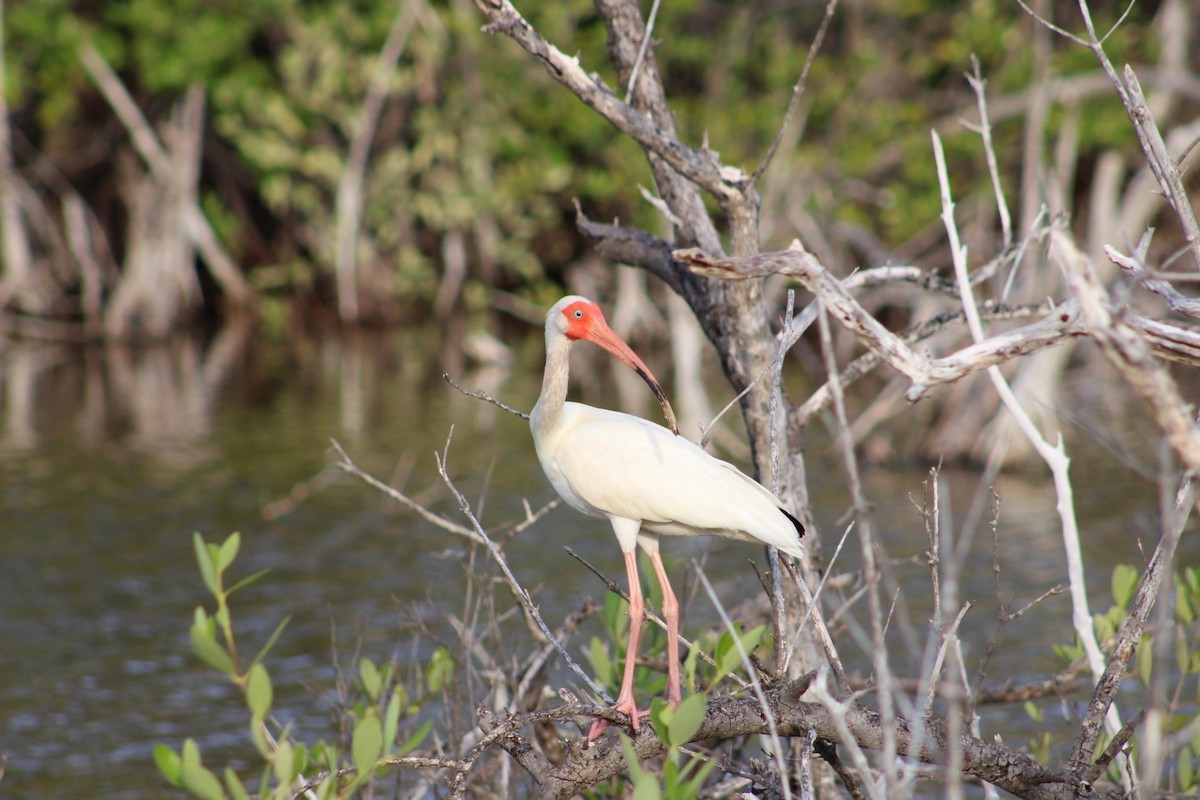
391	716
301	759
616	616
271	641
204	643
1145	660
258	732
283	763
690	664
1187	771
233	785
258	691
1191	577
700	769
660	718
197	779
602	664
752	638
228	552
670	773
729	659
169	764
368	675
1069	652
207	568
367	744
439	671
246	581
415	740
1124	581
687	719
645	787
1185	602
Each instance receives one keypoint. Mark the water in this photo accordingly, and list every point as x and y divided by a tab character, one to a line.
110	459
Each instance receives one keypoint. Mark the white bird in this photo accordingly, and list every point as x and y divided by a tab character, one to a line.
644	479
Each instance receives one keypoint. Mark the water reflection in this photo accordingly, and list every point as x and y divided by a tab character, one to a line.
110	457
155	400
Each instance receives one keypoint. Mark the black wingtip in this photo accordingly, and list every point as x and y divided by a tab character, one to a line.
796	522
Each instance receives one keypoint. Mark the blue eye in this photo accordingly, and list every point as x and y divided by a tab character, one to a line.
577	313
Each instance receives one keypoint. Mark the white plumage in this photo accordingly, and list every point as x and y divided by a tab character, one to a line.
645	479
608	464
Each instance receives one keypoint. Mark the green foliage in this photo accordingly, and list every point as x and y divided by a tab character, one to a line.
609	669
1039	743
376	719
1183	670
680	780
477	145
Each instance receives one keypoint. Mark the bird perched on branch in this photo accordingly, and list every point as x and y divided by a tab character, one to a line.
644	479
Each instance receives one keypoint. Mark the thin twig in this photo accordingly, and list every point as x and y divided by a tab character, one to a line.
651	614
827	750
978	85
797	92
814	611
1134	266
776	743
646	38
871	570
1054	456
347	465
482	395
522	594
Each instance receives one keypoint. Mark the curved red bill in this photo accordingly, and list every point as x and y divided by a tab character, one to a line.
592	326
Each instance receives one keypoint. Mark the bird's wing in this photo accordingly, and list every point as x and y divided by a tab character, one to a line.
628	467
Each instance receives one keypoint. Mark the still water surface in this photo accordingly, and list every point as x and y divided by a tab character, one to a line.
111	458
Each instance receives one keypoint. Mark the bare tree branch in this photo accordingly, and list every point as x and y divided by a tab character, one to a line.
1128	351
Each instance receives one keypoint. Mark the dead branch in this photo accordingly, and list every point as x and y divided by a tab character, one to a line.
730	717
347	465
1165	170
925	373
1134	266
1129	351
696	165
519	591
482	395
1130	634
631	246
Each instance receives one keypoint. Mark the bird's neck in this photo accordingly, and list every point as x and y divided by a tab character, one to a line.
548	410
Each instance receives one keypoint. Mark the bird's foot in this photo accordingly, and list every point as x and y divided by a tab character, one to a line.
626	707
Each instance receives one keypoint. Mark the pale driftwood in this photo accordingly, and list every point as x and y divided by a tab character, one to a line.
16	279
220	263
349	198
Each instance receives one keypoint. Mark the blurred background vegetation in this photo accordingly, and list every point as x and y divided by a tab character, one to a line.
477	155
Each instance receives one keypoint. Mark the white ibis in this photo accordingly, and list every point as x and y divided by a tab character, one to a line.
644	479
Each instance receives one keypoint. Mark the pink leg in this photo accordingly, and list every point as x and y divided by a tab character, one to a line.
671	615
637	612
